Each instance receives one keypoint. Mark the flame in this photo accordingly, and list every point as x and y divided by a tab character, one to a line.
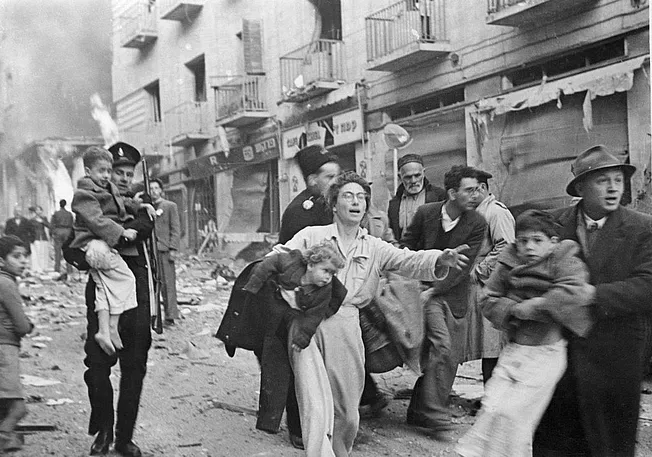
108	127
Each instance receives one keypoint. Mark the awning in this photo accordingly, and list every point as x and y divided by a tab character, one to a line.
600	82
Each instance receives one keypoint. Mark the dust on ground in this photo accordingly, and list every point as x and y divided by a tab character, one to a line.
197	401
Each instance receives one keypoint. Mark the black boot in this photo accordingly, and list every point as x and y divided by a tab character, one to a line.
128	449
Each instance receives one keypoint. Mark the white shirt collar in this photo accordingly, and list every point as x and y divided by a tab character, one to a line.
588	221
446	222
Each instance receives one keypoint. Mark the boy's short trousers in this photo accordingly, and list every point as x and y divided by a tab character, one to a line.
10	385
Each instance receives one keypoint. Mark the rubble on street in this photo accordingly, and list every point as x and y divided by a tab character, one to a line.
197	401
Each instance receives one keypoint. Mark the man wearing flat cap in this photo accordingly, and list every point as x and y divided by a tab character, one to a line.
414	191
594	411
134	328
484	341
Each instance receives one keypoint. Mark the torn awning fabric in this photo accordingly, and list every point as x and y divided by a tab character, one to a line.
600	82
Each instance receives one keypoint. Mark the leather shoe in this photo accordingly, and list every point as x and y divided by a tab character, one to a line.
432	426
103	440
128	449
296	441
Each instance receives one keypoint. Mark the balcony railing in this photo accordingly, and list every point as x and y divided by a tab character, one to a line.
188	123
516	13
495	6
312	70
180	10
239	100
137	26
403	24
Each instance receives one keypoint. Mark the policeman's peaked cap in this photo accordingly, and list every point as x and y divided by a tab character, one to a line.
124	154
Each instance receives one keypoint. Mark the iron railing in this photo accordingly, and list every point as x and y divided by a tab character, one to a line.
187	118
496	6
235	94
139	19
403	23
322	60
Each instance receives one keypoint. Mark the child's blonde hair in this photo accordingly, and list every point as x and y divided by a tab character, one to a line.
326	250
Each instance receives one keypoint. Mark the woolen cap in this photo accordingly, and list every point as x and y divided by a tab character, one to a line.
124	154
312	157
408	158
593	159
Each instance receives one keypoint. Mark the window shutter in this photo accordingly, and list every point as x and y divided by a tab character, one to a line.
252	37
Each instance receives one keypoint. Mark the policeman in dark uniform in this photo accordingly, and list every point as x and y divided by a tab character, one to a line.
134	328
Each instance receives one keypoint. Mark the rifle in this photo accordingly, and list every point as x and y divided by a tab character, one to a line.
153	274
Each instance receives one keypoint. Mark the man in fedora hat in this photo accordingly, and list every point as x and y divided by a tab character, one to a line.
414	191
594	411
134	329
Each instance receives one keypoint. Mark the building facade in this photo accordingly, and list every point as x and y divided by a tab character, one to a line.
220	94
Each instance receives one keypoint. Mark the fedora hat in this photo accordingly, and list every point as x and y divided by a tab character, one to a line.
593	159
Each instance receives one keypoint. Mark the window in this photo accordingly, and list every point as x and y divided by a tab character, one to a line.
428	104
331	19
198	69
154	96
566	63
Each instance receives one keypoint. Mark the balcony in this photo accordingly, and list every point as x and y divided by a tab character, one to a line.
177	10
239	100
517	13
149	138
188	123
137	26
312	70
405	34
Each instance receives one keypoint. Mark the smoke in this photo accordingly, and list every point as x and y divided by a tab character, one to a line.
108	127
56	54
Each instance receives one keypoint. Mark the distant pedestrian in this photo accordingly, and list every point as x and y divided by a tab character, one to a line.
538	288
14	324
21	227
61	225
40	245
168	229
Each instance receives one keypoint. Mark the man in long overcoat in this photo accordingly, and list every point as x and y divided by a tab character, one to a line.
594	411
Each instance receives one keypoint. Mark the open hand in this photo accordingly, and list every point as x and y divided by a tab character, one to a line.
151	212
453	257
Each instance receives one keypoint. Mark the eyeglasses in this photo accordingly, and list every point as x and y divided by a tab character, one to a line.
349	196
471	190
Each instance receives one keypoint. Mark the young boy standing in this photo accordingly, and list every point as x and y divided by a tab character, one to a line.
14	324
100	212
538	287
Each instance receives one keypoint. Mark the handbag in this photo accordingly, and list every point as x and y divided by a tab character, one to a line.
381	355
399	301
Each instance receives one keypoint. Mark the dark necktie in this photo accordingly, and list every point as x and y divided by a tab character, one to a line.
592	227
